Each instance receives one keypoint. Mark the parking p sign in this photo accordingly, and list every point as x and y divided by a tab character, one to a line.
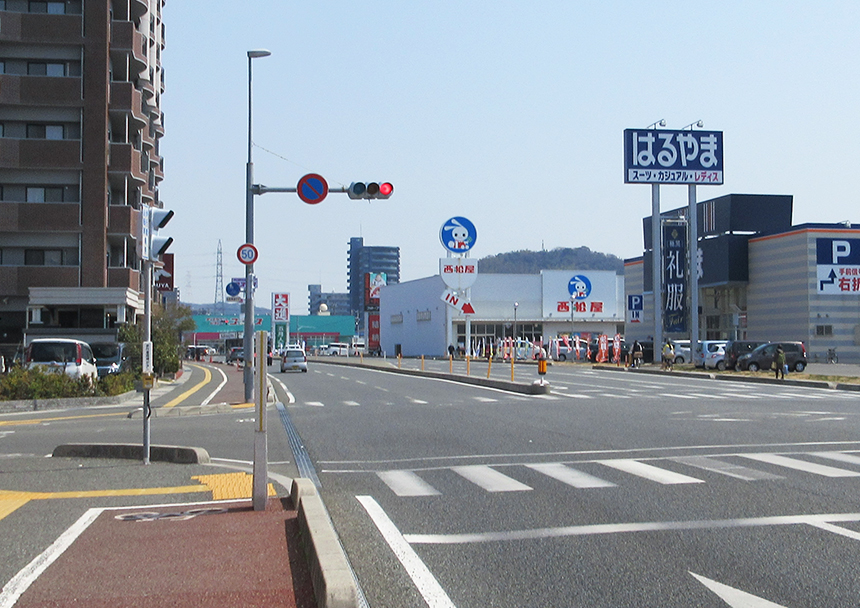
635	305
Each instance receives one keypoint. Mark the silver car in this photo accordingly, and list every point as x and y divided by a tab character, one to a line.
294	359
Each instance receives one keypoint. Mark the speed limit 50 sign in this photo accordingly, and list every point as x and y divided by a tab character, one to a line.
247	253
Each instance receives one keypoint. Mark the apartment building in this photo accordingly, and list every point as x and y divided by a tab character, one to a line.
80	124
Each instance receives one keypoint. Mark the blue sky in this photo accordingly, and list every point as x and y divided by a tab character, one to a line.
508	113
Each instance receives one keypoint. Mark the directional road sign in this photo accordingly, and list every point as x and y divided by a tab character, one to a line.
452	299
233	289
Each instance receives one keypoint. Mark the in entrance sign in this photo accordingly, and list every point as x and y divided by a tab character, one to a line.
247	253
312	188
452	299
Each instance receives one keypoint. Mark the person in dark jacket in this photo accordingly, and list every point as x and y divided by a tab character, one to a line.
779	363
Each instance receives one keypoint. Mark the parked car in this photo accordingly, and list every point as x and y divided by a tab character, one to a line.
196	352
110	357
71	357
716	358
763	356
337	348
294	358
703	347
683	354
736	348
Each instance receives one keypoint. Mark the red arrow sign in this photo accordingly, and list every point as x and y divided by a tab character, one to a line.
451	298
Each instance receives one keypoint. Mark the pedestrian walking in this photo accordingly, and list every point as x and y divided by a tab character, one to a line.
779	363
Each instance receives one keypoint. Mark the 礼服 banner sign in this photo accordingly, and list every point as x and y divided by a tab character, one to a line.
674	278
661	156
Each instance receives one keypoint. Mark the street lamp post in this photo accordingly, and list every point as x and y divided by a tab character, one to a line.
248	342
516	305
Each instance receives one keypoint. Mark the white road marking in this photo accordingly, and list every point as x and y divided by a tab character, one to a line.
570	476
650	472
220	386
407	483
629	528
735	598
425	582
21	581
725	468
315	403
485	399
290	397
490	479
802	465
351	403
417	401
840	456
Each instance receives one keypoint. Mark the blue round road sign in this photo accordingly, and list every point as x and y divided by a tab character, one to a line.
458	235
312	188
233	289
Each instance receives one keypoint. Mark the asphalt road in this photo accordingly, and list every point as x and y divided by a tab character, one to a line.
615	490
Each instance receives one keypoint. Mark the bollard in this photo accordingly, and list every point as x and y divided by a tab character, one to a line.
399	361
468	365
489	366
450	364
422	363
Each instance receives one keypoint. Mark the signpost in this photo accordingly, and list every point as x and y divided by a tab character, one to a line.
663	156
454	300
247	254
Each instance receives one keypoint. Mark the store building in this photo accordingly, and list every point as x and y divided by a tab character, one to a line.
762	278
80	124
415	319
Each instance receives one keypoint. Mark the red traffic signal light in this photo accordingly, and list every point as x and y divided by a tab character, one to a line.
370	190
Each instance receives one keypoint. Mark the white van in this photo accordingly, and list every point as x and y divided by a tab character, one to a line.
357	349
338	348
71	357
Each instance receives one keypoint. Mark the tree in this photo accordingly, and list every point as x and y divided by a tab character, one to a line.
167	327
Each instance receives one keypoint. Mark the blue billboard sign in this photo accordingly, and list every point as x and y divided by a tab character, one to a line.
662	156
838	266
458	235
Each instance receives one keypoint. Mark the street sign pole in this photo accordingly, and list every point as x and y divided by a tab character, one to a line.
260	482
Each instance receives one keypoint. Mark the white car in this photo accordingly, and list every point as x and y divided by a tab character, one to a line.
716	358
294	359
703	348
71	357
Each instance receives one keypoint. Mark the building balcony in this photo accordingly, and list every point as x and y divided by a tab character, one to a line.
40	154
123	277
125	40
124	98
17	280
125	160
32	28
40	90
123	220
40	217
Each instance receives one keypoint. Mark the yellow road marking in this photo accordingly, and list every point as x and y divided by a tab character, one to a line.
54	419
223	486
207	376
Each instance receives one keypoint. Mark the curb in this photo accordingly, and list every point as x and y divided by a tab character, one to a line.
333	580
728	378
514	387
35	405
159	453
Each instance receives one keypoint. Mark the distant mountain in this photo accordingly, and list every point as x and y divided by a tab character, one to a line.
562	258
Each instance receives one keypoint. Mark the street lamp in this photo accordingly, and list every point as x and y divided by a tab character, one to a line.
248	342
516	305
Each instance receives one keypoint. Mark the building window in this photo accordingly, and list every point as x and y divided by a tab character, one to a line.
823	330
43	257
45	194
35	131
52	68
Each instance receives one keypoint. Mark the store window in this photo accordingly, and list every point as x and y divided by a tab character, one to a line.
823	330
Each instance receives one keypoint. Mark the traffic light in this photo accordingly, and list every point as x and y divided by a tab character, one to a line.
158	219
358	190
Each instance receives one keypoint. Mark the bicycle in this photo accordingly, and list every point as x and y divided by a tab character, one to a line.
832	357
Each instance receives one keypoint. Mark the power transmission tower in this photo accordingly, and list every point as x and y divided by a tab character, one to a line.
219	284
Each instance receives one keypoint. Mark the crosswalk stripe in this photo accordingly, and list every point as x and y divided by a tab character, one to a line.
841	457
724	468
490	479
802	465
650	472
407	483
351	403
570	476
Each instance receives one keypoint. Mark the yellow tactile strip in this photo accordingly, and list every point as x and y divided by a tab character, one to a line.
224	486
228	486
